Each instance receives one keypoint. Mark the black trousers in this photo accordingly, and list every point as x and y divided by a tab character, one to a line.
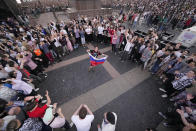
122	46
173	118
95	39
100	38
90	37
170	77
59	51
66	125
169	88
105	39
114	48
37	70
78	41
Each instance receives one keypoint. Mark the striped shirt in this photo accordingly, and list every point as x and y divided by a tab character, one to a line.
182	82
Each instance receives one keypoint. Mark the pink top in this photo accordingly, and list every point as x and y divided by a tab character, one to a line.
114	39
30	62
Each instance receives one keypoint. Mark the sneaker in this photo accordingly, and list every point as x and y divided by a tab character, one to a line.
162	115
71	124
171	99
164	96
167	124
37	89
161	89
43	101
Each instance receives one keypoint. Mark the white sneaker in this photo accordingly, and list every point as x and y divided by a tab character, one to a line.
162	115
43	101
164	96
36	89
71	124
161	89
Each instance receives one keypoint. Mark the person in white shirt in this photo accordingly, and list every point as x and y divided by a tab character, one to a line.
8	69
88	31
127	49
100	33
135	20
83	118
109	122
58	47
178	53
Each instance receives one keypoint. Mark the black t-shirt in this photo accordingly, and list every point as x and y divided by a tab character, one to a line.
94	53
3	62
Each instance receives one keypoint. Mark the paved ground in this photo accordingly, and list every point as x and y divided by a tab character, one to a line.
114	86
73	80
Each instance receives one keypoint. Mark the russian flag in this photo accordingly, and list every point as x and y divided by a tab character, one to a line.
96	61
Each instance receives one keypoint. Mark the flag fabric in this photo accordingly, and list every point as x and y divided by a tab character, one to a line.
96	61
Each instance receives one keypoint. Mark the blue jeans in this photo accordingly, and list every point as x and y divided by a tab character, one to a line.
155	67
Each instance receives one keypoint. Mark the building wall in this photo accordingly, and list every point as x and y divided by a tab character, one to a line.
8	8
85	4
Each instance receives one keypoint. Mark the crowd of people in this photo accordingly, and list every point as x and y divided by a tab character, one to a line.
26	51
36	7
163	15
174	67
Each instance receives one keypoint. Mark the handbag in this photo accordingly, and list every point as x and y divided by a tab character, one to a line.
55	115
47	127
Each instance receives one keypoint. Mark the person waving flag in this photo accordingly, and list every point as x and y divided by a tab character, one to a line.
96	58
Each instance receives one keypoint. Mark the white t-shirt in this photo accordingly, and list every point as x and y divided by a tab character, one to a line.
88	30
178	54
136	18
100	30
82	124
8	69
57	43
128	46
108	127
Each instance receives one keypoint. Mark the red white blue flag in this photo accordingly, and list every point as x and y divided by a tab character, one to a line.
96	61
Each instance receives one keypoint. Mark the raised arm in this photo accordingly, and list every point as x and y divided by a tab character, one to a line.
48	99
22	63
88	110
185	122
77	111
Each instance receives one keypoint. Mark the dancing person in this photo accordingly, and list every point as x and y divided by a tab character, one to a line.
95	53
